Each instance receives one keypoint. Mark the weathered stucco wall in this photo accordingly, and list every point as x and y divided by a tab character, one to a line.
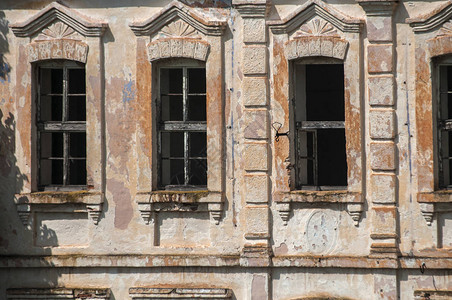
250	233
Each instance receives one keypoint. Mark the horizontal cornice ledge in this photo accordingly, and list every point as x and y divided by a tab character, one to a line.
56	11
378	7
429	21
252	9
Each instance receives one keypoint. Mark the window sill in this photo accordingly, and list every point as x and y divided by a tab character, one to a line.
53	293
180	201
352	199
50	201
439	196
332	196
434	202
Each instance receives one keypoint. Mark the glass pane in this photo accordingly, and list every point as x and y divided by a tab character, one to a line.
447	113
325	92
449	78
196	81
51	172
332	163
51	81
172	172
77	144
197	108
51	144
198	144
172	108
51	108
76	81
305	162
77	171
172	144
171	81
198	172
77	108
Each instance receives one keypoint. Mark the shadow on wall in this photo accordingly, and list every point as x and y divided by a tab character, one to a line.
15	239
4	48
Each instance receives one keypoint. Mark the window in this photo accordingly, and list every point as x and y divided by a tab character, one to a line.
445	126
182	128
61	126
320	156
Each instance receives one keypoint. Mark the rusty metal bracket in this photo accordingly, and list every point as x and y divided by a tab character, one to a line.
277	126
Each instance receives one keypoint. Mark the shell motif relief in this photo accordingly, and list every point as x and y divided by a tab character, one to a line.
316	27
179	29
58	30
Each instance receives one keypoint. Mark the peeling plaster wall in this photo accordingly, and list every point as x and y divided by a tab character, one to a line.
372	241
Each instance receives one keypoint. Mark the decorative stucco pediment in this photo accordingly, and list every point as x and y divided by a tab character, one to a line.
432	20
318	13
56	13
173	12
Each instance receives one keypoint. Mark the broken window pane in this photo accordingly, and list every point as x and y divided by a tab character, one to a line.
173	172
198	172
320	134
198	142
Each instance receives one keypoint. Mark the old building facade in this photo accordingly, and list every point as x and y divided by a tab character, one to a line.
225	149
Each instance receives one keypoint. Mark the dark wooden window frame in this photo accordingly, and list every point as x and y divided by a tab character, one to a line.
311	127
186	127
444	123
64	126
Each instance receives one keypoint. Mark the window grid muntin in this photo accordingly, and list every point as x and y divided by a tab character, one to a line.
186	126
444	126
64	126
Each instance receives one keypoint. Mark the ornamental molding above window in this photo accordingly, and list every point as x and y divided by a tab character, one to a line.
434	29
431	20
178	31
54	36
317	33
315	9
57	32
316	46
181	31
58	12
174	11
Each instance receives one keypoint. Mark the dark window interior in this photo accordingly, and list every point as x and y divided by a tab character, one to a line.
445	127
183	142
319	112
61	127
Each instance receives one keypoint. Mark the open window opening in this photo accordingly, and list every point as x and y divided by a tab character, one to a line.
182	128
320	150
61	126
444	134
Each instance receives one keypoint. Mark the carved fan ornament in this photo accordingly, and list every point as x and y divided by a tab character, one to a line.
58	30
316	27
179	29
